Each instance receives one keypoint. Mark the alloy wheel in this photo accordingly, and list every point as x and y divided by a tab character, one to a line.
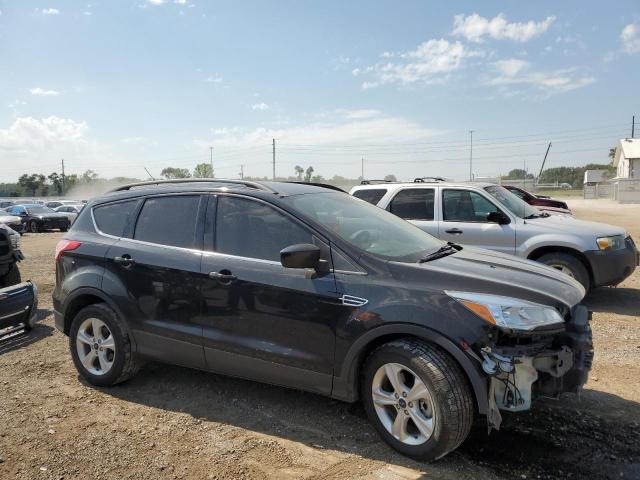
403	403
96	346
564	269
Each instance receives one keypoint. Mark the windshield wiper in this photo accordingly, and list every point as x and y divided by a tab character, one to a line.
443	251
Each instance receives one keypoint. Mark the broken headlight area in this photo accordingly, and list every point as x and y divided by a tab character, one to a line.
522	366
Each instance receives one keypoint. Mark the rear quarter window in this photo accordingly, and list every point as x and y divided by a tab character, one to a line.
372	195
169	220
114	217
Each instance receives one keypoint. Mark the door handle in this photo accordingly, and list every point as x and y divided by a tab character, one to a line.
125	260
454	231
223	276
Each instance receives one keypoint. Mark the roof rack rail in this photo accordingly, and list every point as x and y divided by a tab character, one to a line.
246	183
428	179
373	182
323	185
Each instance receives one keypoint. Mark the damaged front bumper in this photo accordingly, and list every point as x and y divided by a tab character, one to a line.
522	367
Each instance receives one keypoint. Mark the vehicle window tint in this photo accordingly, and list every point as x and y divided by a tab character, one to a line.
114	217
465	206
372	196
247	228
517	193
168	221
413	204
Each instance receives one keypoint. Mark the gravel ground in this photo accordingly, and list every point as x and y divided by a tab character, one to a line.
170	422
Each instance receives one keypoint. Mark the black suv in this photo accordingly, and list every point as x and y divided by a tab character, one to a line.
304	286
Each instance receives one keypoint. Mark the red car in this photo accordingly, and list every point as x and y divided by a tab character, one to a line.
543	203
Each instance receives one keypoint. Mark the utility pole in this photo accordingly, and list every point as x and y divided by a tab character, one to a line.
362	168
471	156
241	172
274	159
63	179
543	162
633	126
148	173
211	159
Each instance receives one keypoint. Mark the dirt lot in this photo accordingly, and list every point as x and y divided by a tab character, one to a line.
170	422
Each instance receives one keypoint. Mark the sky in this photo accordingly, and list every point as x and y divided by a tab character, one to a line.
383	87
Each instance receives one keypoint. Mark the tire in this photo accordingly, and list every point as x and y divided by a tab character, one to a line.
449	407
124	363
11	278
568	264
33	226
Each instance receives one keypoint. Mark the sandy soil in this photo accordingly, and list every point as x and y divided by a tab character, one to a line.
170	422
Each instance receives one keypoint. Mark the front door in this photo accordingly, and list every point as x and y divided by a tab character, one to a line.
464	220
160	267
262	320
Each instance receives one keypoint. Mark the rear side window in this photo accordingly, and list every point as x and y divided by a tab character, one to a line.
414	204
114	217
247	228
169	221
372	195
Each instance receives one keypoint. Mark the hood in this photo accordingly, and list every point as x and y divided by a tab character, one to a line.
554	210
571	224
485	271
9	219
51	215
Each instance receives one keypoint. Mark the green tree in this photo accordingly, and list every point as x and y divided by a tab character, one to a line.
517	174
32	184
56	183
89	176
299	172
390	178
317	179
612	153
172	172
203	170
308	174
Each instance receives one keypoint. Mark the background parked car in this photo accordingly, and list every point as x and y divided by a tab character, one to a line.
12	221
489	216
58	203
71	211
36	218
539	201
6	203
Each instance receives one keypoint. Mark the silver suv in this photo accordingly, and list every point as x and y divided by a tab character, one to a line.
488	216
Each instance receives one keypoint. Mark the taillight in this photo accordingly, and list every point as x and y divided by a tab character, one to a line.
66	246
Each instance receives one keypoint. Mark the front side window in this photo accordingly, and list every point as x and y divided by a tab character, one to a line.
113	218
169	220
371	195
413	204
365	226
465	206
516	205
246	228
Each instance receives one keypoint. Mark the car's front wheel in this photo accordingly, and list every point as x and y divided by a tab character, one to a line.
33	227
569	265
100	346
418	398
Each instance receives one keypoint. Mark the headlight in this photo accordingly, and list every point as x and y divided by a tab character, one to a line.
507	312
611	243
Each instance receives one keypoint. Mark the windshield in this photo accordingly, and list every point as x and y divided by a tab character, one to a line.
516	205
365	226
32	210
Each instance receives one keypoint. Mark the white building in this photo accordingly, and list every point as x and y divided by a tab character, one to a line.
626	184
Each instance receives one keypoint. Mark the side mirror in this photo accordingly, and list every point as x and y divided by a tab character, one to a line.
499	218
301	255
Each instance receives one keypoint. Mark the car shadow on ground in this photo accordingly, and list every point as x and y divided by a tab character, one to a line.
24	339
559	437
623	301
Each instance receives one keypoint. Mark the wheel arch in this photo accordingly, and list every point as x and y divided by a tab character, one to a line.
540	251
346	384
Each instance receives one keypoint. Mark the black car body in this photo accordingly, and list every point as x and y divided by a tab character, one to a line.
18	308
10	255
219	290
36	218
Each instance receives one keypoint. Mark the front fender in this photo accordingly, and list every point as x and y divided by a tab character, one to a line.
345	384
552	240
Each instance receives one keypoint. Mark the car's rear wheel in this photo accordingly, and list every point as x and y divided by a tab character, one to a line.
100	346
417	398
33	226
569	265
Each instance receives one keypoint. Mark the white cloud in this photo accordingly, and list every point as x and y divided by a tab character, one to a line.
41	92
260	106
213	79
344	127
156	2
180	2
630	37
430	62
474	27
518	72
50	11
87	13
32	136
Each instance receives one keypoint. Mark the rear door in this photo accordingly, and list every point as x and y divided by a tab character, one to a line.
262	320
464	220
416	205
158	262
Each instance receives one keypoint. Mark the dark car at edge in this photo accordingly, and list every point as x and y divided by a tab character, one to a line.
36	218
537	200
306	287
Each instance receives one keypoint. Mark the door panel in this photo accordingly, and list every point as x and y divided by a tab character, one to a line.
417	205
464	220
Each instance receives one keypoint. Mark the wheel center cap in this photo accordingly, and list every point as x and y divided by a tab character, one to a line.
402	403
95	346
